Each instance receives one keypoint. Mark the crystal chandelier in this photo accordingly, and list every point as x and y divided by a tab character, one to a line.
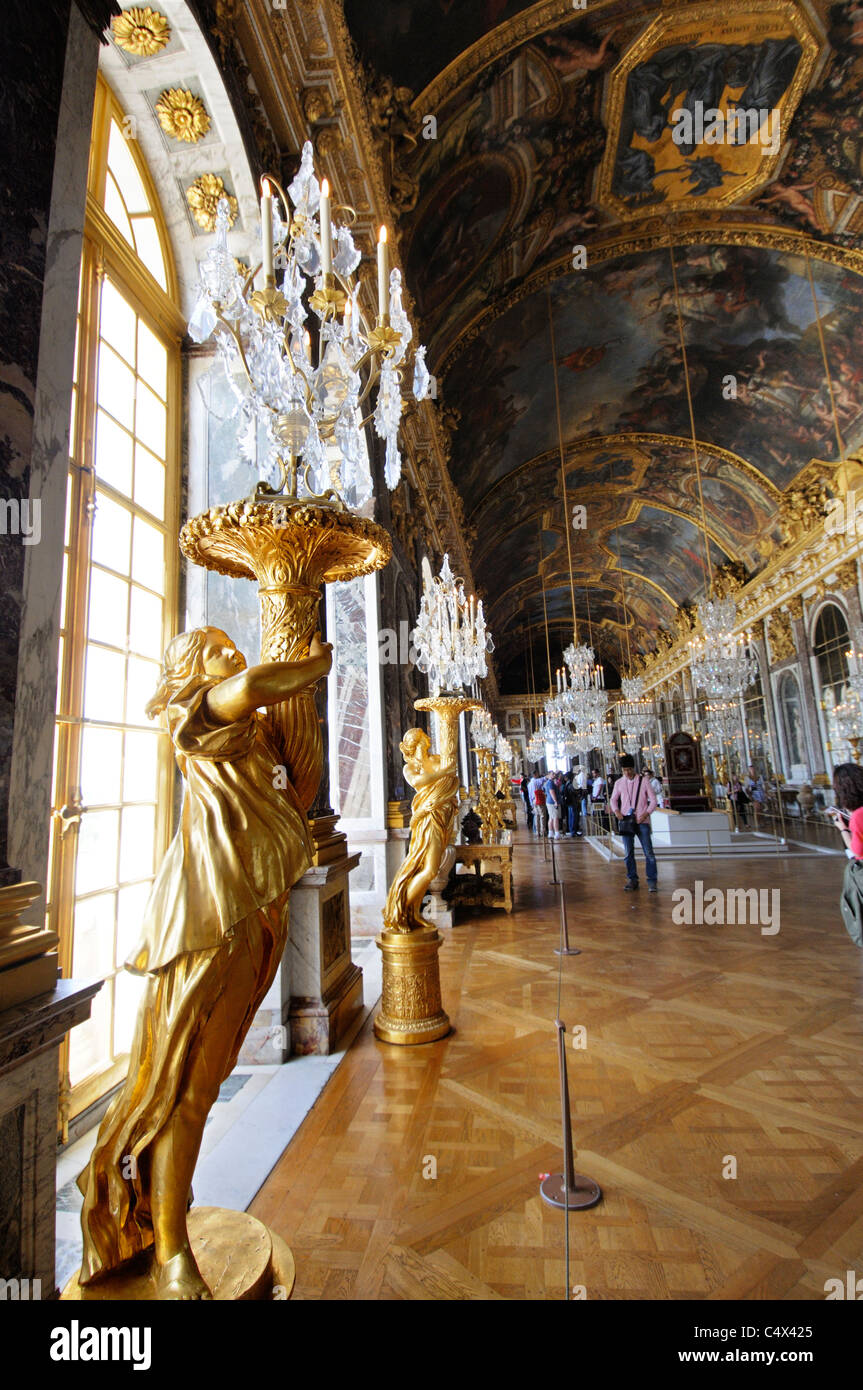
303	405
536	745
720	661
581	687
503	749
483	731
633	688
451	638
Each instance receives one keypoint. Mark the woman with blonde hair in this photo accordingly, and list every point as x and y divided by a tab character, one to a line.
213	934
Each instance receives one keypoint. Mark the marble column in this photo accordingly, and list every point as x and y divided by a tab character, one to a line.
28	653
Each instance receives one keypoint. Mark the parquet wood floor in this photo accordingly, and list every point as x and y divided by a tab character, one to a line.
703	1044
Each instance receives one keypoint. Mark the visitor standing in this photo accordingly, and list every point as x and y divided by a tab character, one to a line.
632	801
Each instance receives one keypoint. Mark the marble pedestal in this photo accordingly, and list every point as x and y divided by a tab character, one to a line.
692	830
30	1035
437	909
326	987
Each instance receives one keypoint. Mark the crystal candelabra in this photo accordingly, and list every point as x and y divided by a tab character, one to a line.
302	403
451	638
719	658
483	731
484	735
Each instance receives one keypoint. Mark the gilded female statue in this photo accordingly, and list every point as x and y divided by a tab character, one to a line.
432	816
213	934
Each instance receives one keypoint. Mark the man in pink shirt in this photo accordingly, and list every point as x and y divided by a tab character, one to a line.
632	801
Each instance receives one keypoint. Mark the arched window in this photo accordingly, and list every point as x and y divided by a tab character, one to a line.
792	719
830	648
113	769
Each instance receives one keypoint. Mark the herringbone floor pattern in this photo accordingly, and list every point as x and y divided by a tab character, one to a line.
707	1051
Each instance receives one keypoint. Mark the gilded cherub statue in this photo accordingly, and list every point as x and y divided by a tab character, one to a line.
432	819
213	934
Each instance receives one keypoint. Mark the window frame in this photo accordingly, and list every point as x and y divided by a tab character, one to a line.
107	254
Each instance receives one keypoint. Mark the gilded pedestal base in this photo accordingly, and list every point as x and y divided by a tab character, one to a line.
411	1009
240	1259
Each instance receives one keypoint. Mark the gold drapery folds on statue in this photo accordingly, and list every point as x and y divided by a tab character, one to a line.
212	937
411	1008
217	920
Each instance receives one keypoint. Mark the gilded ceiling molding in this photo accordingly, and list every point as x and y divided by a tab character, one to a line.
675	229
675	24
593	443
539	19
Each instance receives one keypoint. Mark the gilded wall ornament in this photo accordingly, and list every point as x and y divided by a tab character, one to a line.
781	636
203	199
802	509
795	607
846	575
182	115
141	31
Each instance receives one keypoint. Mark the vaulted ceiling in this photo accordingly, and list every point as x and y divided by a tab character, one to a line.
687	297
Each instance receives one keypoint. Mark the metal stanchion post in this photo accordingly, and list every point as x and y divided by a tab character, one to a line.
569	1190
554	879
564	949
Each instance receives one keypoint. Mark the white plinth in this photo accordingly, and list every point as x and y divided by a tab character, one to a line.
690	829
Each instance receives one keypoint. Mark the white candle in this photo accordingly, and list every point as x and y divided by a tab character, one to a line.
267	230
383	275
326	231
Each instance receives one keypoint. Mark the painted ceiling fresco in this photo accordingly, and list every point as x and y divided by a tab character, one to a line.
554	132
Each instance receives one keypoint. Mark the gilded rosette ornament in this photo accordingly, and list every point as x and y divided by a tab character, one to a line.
203	198
182	115
291	550
141	31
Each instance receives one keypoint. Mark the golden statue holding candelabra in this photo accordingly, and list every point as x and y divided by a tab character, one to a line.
248	741
451	641
211	941
432	817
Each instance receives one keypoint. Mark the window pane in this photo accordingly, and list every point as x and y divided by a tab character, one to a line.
148	555
149	248
141	767
101	751
150	420
104	683
117	322
128	990
64	589
109	607
116	211
152	360
89	1043
112	534
137	840
130	914
72	417
141	687
122	165
68	509
149	483
145	624
96	862
93	951
113	454
116	391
